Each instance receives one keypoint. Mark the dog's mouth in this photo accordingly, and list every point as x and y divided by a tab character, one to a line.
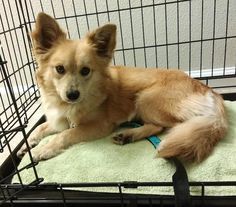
71	102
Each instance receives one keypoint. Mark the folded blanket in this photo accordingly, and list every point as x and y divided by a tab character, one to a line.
103	161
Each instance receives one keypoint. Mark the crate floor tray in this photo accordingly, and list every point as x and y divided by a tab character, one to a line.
103	161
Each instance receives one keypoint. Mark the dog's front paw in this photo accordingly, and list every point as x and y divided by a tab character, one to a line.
32	142
43	153
122	139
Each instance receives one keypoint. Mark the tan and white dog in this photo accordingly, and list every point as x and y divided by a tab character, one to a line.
85	98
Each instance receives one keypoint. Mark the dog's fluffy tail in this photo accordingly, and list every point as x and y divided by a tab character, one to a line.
194	139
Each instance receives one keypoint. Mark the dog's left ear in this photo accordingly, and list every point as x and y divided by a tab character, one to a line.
103	40
46	34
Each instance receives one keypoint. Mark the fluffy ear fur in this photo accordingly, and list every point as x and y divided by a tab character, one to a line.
104	40
47	33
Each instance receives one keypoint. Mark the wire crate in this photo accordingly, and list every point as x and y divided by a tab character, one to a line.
196	36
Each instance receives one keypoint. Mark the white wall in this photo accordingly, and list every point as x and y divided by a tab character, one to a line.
143	28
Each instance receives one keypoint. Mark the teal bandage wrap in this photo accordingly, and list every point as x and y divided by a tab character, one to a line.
155	140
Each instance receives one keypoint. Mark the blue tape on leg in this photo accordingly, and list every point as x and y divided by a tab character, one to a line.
155	140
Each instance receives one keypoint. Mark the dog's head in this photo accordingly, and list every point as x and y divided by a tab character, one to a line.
73	69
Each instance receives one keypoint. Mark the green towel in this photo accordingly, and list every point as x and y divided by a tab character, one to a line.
103	161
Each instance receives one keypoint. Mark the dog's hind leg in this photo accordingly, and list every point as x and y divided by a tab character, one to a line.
131	135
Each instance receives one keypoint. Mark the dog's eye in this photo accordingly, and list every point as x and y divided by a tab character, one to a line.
85	71
60	69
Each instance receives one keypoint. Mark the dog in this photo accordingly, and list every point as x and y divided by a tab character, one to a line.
84	98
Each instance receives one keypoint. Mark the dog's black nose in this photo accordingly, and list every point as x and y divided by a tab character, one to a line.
73	95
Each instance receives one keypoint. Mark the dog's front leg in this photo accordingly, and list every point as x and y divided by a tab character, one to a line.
69	137
36	136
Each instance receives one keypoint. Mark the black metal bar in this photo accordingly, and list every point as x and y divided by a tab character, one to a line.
109	19
108	184
41	5
8	44
17	129
64	12
17	70
4	109
5	86
17	113
155	31
180	43
202	17
62	195
190	36
108	11
202	194
3	193
118	10
8	97
76	19
166	30
213	42
21	111
18	190
178	23
10	196
122	184
32	10
1	144
226	34
161	201
230	86
12	119
143	33
20	54
132	33
150	202
10	30
96	9
121	32
121	195
19	170
53	10
12	159
27	34
20	108
86	15
215	77
27	15
7	168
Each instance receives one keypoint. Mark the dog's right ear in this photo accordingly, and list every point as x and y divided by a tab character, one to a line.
47	32
103	40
